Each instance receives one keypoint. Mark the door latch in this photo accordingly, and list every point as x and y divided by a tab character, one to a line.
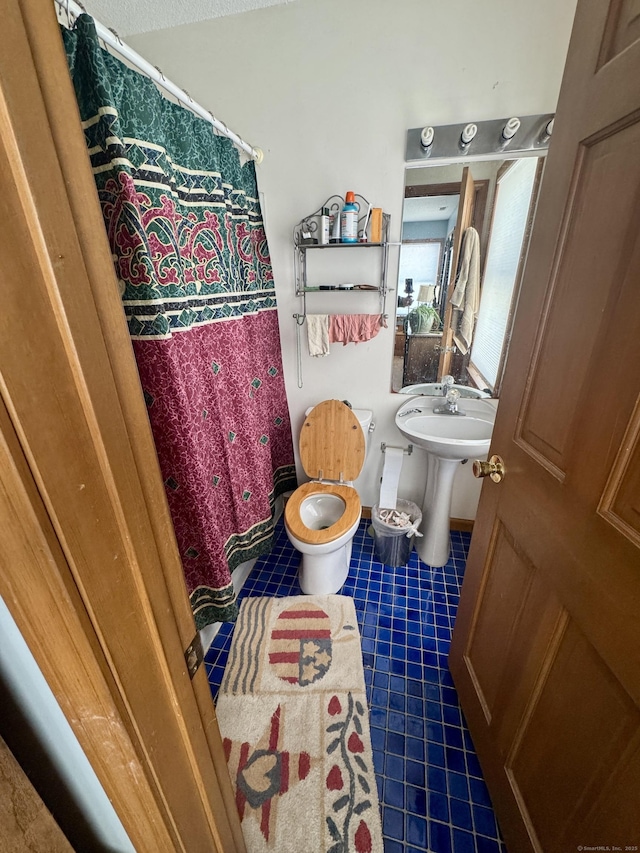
194	655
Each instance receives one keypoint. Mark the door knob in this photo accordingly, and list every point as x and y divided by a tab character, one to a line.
494	468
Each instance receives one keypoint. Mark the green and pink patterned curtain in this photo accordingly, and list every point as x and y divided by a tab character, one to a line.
186	232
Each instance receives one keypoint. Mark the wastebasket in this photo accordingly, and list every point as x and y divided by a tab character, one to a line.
392	544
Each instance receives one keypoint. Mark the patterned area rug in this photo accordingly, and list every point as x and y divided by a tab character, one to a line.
293	714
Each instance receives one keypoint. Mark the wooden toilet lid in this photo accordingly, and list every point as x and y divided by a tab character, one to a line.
318	537
332	442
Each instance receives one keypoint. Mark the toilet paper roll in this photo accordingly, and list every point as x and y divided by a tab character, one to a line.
393	458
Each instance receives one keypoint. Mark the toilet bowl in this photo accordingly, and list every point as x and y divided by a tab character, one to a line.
322	516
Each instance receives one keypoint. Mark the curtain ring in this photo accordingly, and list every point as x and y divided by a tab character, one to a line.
160	72
111	30
188	95
67	10
213	126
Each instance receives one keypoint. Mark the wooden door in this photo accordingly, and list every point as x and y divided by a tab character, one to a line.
26	826
463	221
90	568
546	647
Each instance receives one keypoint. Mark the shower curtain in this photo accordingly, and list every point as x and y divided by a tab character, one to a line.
185	228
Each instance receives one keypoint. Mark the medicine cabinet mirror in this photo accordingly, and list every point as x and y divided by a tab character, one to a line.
497	198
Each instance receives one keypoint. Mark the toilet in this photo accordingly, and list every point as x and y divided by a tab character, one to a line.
322	516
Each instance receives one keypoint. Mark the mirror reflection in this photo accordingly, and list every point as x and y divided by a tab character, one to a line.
465	232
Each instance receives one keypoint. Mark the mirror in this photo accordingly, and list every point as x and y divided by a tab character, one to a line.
465	233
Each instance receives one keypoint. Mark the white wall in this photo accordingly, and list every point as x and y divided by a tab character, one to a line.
328	88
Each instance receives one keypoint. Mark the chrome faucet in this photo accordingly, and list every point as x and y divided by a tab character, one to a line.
446	384
450	407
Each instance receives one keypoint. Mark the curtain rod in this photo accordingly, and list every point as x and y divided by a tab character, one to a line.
110	37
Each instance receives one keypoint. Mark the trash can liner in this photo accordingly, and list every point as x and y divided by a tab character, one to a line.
400	520
393	532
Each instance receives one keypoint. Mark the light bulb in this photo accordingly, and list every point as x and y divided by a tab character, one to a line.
546	132
510	129
468	133
426	137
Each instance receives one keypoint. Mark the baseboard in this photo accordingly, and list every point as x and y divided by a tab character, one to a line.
463	524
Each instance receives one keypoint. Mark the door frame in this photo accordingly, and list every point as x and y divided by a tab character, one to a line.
92	573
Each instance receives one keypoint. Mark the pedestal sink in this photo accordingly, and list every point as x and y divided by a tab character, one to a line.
448	440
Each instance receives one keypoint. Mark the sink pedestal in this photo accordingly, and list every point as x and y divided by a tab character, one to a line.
448	440
434	546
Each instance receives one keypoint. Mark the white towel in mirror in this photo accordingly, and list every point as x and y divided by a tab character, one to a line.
466	295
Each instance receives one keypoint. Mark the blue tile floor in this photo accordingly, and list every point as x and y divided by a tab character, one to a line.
432	794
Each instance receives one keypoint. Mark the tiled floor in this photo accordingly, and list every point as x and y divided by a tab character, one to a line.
432	794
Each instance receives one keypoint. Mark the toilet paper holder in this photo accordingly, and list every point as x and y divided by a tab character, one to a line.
408	450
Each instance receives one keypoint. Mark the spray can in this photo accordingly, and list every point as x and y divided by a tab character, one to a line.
349	220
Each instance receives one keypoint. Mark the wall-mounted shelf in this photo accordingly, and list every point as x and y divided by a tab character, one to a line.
338	289
310	225
341	246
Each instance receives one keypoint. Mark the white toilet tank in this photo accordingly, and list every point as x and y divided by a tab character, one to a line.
365	416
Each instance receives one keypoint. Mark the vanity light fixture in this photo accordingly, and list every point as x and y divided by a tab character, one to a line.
426	137
467	136
521	135
510	129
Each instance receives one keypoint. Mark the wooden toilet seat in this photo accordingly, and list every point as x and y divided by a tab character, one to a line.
332	447
319	537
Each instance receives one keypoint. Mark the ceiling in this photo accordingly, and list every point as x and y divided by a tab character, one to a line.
429	208
129	17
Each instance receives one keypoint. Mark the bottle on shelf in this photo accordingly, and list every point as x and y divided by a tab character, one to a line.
349	220
323	236
376	225
335	225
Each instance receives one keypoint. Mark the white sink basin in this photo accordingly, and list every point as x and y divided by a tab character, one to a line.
434	389
448	439
448	436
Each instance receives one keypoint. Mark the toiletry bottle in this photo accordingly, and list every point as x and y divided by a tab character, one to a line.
335	227
349	220
324	227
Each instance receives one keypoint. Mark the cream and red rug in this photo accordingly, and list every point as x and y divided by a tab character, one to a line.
293	714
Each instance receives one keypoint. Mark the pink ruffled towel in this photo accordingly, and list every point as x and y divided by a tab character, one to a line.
354	328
